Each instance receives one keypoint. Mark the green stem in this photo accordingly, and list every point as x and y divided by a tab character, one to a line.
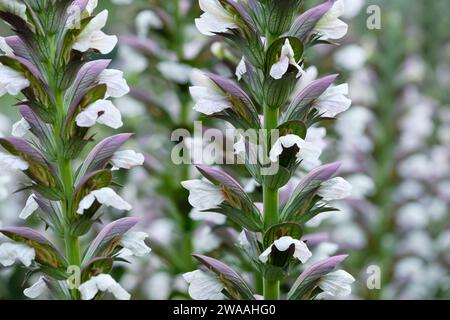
271	202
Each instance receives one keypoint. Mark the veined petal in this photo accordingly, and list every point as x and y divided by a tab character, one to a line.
334	101
103	283
93	38
105	196
101	111
336	284
215	18
30	207
208	97
127	159
204	285
329	26
116	85
10	252
335	189
203	194
134	243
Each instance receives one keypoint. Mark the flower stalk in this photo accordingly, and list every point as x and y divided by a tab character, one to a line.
65	94
272	42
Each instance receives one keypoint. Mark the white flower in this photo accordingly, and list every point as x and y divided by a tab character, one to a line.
20	128
146	20
215	18
204	285
307	151
101	111
4	47
286	58
11	81
116	85
15	7
126	159
104	283
105	196
333	101
93	38
334	189
175	71
10	252
208	97
30	206
203	194
241	69
133	244
36	289
336	284
329	26
301	252
8	162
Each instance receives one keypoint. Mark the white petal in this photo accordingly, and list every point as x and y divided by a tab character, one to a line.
337	283
36	289
307	151
335	189
329	26
135	243
10	252
209	100
103	283
203	194
30	207
215	19
105	196
203	286
12	81
301	252
334	101
280	68
287	57
241	69
85	203
127	159
20	128
93	38
9	162
116	85
101	111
